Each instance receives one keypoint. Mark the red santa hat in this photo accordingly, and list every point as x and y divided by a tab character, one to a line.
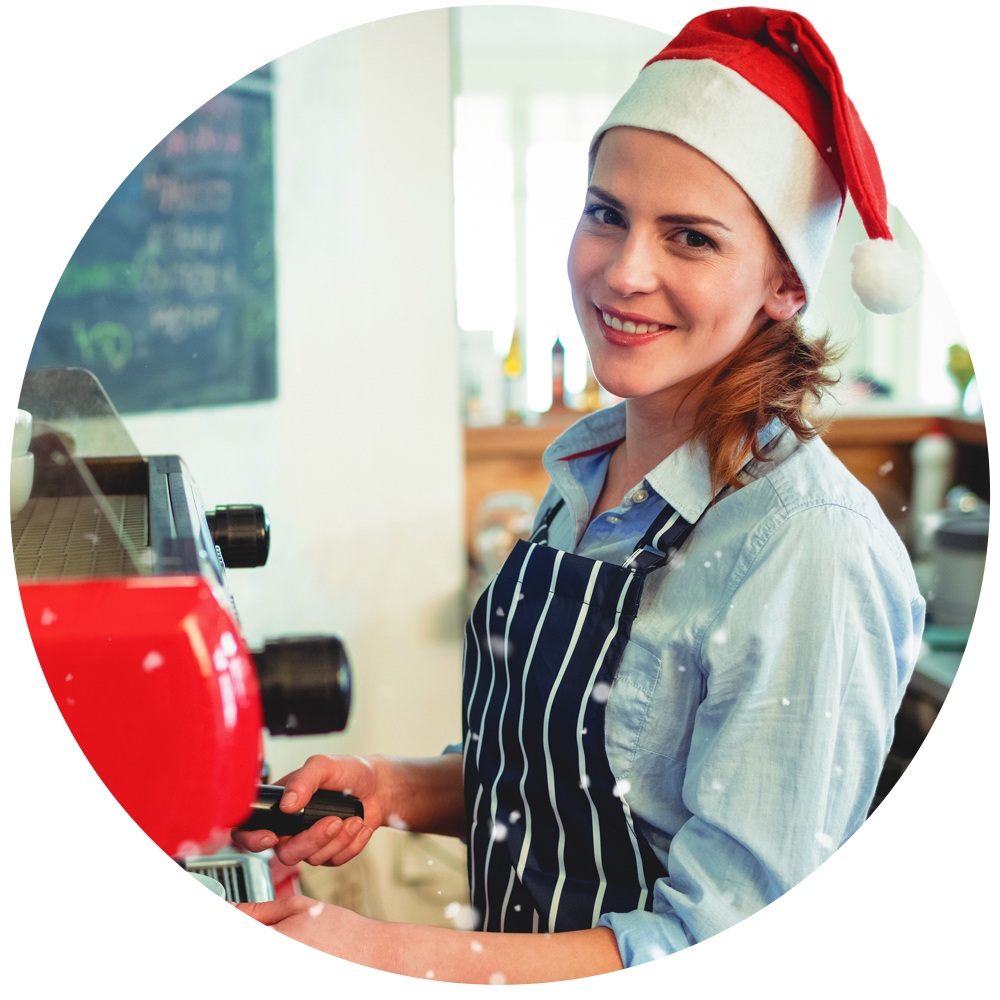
759	93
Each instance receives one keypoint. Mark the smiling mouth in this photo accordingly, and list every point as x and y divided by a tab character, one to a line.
615	323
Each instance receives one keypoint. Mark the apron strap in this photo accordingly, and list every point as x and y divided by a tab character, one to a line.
540	536
669	530
667	533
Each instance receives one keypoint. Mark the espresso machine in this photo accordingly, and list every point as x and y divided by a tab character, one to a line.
122	576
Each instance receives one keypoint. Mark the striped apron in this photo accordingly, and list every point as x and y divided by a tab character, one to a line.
551	839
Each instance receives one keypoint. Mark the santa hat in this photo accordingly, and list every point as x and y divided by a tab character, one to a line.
759	93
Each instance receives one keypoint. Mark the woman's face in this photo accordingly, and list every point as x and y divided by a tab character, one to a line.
670	266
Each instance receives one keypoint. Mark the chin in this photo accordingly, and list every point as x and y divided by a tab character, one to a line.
666	371
632	378
626	386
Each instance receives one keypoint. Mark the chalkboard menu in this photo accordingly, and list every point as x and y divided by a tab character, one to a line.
169	297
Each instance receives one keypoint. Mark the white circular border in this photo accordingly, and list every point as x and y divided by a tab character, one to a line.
907	905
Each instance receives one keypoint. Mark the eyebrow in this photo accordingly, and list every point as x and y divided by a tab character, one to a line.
682	220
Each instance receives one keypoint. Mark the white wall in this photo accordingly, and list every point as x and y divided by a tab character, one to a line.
358	461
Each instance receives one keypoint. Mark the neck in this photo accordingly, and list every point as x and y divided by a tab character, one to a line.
654	428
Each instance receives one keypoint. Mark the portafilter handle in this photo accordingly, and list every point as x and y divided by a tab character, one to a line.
266	815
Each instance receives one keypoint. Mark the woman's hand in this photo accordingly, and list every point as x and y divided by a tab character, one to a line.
330	841
422	794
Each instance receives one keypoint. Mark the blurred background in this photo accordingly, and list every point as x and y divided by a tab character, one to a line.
339	290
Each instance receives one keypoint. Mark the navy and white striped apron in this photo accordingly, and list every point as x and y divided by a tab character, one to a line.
551	840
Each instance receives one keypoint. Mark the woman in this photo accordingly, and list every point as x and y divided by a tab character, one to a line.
678	695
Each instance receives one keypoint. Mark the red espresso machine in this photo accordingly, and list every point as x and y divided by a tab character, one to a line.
122	576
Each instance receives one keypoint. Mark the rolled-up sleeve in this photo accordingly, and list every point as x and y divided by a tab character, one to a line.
802	669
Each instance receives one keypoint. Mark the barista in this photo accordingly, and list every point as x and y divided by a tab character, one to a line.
677	698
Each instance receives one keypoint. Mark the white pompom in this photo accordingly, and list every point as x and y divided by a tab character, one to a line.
885	277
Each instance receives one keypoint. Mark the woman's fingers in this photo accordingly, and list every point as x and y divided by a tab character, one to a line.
353	849
325	843
292	850
320	842
253	840
302	782
352	832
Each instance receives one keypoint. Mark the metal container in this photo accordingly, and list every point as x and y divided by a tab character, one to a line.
959	557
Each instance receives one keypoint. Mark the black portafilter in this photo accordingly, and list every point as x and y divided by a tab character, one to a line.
265	814
242	532
305	685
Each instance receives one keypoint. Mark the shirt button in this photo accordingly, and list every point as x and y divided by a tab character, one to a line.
639	496
613	520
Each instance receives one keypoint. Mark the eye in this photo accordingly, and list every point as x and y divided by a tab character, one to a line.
692	238
604	215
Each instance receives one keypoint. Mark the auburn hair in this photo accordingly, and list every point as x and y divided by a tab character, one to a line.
778	372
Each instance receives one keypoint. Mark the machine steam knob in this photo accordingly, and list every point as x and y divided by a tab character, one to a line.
242	532
305	685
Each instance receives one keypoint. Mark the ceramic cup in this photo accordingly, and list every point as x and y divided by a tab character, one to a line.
22	474
22	434
210	883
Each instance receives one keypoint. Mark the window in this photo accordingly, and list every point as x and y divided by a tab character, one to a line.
531	85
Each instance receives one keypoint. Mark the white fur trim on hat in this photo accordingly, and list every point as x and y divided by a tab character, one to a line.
885	277
752	138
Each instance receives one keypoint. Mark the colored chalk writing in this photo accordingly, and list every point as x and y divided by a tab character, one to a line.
169	297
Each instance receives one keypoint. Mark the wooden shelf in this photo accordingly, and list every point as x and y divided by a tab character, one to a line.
885	430
965	431
874	447
510	440
524	441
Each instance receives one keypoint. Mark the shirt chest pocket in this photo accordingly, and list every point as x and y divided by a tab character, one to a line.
651	709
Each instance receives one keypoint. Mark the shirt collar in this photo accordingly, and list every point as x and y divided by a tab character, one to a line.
683	478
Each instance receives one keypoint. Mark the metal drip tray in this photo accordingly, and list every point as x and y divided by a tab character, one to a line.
245	877
69	537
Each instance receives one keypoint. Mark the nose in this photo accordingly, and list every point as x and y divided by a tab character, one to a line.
631	269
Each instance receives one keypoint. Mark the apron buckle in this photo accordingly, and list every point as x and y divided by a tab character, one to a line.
645	558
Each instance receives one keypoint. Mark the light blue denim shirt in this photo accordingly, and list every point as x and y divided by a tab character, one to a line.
754	704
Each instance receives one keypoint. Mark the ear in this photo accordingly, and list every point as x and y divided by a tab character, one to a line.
785	300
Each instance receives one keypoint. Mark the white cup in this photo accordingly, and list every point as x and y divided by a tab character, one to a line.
212	884
22	475
22	434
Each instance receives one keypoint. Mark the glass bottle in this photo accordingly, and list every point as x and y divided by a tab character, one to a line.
558	369
514	387
590	399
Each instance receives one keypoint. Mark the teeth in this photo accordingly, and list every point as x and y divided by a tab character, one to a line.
628	326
